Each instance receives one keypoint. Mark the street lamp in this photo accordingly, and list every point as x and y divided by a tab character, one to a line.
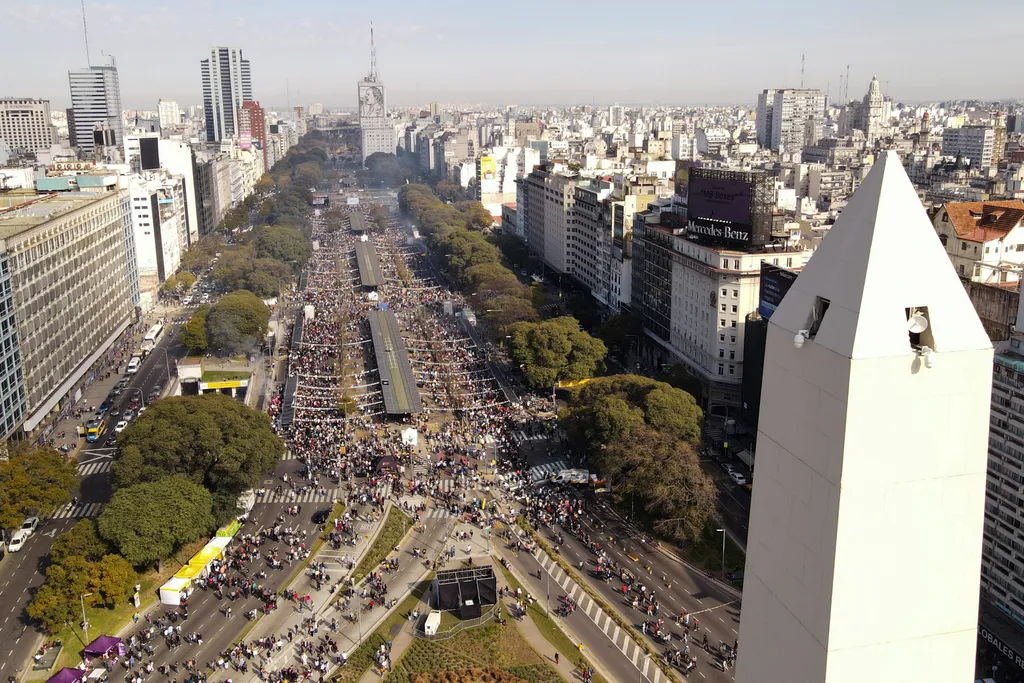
85	624
723	552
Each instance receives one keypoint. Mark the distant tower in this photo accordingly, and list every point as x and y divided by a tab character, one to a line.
96	102
872	111
377	130
999	139
871	459
227	83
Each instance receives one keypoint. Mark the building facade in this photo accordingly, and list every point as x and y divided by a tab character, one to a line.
227	83
548	198
253	122
25	124
975	143
159	222
169	113
70	289
96	103
797	118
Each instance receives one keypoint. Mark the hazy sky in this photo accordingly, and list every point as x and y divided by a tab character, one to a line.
525	52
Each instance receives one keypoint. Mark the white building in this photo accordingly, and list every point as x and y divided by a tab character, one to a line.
497	171
547	198
712	141
975	143
377	131
589	238
984	240
227	82
871	444
159	220
797	116
96	104
169	113
177	158
25	124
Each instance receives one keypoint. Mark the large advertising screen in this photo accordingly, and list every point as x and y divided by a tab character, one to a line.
720	200
775	282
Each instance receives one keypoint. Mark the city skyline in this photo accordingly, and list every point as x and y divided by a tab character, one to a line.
299	57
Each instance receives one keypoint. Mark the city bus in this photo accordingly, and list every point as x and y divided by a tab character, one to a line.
94	429
152	337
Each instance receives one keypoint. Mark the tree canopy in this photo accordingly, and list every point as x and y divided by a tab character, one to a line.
33	482
237	322
385	170
193	333
282	243
147	522
81	540
213	440
555	350
607	409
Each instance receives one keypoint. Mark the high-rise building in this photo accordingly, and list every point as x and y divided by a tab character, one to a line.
169	113
377	130
796	117
547	200
25	124
253	122
96	102
862	355
159	220
315	109
765	114
227	83
65	296
616	115
975	143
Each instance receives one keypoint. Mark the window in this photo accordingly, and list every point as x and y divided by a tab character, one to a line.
721	369
734	323
724	291
721	337
735	293
723	320
963	246
732	340
723	308
734	308
736	264
732	355
721	353
945	217
732	369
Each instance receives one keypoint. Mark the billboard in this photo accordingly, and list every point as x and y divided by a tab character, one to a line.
149	153
245	141
488	168
682	178
319	200
720	209
775	282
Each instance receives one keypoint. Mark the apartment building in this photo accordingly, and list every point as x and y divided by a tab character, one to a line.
227	83
975	143
25	125
65	287
795	118
984	240
548	197
694	298
96	120
159	221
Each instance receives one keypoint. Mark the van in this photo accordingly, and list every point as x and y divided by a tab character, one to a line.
18	539
133	366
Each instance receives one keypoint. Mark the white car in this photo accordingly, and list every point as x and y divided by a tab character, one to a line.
18	539
120	426
737	478
29	525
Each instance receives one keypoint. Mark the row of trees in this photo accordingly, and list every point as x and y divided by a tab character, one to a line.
642	436
233	325
548	351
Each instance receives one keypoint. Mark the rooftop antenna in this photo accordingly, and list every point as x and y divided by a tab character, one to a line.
85	29
802	59
847	96
887	88
373	56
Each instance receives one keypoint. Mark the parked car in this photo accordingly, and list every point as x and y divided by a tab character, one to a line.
18	539
128	415
29	525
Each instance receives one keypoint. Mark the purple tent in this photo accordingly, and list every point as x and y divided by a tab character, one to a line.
100	646
67	675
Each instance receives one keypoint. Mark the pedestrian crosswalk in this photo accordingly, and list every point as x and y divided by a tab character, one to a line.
540	472
521	436
71	510
286	495
95	467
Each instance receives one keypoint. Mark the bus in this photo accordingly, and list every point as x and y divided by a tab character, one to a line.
152	337
94	429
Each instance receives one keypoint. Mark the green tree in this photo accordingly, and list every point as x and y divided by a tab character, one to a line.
663	477
619	332
504	311
147	522
113	579
33	482
55	603
170	285
283	244
512	248
477	217
487	280
185	280
237	322
384	170
265	184
555	350
213	440
81	540
464	249
193	333
607	409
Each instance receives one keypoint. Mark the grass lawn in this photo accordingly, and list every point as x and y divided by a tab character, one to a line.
224	375
547	627
395	526
490	646
103	621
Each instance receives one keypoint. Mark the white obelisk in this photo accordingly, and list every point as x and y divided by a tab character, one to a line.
869	483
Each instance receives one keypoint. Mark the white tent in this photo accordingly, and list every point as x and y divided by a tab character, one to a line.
409	436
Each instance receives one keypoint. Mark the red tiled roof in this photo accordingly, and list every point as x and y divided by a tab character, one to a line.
985	221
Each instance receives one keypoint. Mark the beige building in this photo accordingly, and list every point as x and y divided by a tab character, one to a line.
25	124
547	198
67	260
